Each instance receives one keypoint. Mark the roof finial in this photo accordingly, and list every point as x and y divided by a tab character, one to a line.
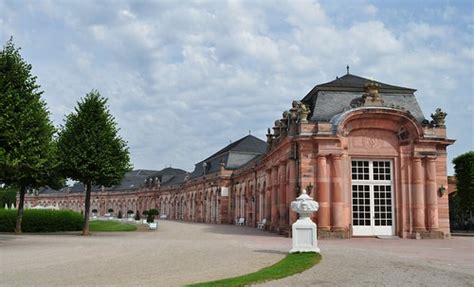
347	67
250	132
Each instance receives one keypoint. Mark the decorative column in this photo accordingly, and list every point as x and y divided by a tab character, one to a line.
304	232
431	194
418	196
337	204
322	190
283	211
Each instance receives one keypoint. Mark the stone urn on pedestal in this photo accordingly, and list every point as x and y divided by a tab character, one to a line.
304	229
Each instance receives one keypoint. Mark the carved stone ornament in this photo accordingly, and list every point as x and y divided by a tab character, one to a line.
303	113
371	97
439	118
276	129
403	134
371	142
269	137
304	205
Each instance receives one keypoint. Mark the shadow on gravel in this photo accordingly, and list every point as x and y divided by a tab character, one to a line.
238	230
271	251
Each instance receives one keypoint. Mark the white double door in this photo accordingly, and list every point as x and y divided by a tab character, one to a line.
372	197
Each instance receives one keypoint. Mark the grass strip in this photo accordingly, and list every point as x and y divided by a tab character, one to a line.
292	264
110	226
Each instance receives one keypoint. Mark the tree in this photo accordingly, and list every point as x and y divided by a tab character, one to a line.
90	148
7	196
464	197
27	150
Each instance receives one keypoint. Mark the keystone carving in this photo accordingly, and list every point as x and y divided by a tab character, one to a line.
371	97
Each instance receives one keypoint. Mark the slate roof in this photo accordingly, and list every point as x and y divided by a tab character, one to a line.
335	97
233	156
131	181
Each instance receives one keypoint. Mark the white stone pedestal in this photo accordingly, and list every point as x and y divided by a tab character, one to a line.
304	236
304	229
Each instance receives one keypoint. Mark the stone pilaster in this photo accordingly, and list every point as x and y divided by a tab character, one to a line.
282	207
418	195
431	194
322	189
268	194
291	192
274	205
337	203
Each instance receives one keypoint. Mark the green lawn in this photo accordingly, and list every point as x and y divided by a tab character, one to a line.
110	226
292	264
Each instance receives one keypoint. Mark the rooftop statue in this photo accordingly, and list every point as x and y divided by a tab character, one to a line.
439	118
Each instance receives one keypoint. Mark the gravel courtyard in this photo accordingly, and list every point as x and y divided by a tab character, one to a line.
180	253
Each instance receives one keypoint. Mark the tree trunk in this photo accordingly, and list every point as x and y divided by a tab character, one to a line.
87	203
19	212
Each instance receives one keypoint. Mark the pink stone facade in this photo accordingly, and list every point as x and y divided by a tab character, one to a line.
375	170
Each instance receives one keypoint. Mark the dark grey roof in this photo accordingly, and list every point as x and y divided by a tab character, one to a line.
169	176
354	83
232	156
335	97
131	181
328	104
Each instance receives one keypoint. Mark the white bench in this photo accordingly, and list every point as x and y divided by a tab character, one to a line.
241	221
261	224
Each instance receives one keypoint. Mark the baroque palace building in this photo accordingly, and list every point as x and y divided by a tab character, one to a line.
363	149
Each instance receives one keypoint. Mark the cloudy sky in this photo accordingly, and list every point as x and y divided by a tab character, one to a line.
184	78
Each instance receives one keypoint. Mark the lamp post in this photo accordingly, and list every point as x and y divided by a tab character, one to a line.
304	229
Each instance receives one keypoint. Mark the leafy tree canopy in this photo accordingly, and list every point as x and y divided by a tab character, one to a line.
27	153
89	146
464	172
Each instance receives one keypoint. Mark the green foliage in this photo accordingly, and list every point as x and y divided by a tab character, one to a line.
90	148
8	196
28	157
464	172
41	220
461	203
153	211
292	264
150	218
27	153
89	145
110	226
145	212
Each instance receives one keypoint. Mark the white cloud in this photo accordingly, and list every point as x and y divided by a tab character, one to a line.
185	78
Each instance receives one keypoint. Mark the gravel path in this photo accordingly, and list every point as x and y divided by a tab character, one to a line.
180	253
176	254
377	262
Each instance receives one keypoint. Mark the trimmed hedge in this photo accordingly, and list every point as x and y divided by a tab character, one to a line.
42	220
